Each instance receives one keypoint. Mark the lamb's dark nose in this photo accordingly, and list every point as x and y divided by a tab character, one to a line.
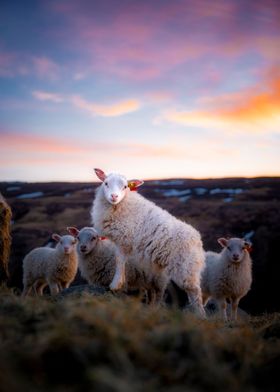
235	257
83	248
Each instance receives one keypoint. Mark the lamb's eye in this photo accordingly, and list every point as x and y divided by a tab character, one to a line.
93	238
125	187
73	242
78	238
229	248
106	183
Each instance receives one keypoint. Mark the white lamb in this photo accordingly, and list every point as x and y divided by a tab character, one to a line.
56	267
97	263
227	275
156	240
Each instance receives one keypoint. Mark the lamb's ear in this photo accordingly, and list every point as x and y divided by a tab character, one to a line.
248	245
73	231
56	237
100	174
223	242
134	184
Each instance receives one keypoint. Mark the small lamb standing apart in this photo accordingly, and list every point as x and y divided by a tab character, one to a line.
228	274
156	240
97	263
56	267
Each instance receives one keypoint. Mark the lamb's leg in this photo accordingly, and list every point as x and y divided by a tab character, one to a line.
223	308
119	277
26	290
234	305
39	288
205	299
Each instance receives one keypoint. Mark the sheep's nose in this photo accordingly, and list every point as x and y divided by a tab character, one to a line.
83	248
66	249
114	196
235	256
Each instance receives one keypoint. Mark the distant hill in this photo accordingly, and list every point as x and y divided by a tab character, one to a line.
216	207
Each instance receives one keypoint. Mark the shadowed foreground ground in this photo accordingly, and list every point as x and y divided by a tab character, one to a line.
84	342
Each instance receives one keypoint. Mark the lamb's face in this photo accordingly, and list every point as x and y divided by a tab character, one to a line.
115	187
66	243
235	248
87	240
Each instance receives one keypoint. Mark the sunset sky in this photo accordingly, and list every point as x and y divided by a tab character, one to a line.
151	89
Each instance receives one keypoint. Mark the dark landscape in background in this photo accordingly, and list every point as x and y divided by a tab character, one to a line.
216	207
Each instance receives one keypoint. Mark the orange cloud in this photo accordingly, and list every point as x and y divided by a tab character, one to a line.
248	108
116	109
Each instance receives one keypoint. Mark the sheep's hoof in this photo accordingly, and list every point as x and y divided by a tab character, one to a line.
116	287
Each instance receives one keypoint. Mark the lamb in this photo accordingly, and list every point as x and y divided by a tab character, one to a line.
156	240
56	267
228	274
97	263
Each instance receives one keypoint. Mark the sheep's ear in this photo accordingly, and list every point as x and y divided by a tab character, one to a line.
100	174
134	184
223	242
56	237
73	231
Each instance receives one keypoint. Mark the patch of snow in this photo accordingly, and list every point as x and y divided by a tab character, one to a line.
32	195
170	182
88	190
200	191
13	188
228	199
175	192
229	191
184	198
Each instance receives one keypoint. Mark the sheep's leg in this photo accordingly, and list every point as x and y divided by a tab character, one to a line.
54	288
223	308
195	299
119	277
234	305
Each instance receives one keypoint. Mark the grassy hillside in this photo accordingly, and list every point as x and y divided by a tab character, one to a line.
106	343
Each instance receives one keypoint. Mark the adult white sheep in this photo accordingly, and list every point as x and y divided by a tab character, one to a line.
228	274
56	267
155	239
97	264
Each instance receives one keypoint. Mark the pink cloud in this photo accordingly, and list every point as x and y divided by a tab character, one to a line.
45	67
45	96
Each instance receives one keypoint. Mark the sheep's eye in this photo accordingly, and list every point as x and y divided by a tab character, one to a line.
229	248
73	242
78	238
125	187
106	183
93	238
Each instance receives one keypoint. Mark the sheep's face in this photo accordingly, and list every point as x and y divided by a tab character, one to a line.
115	186
235	248
66	243
87	240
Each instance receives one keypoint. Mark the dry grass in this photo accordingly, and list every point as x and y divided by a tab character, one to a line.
5	238
118	344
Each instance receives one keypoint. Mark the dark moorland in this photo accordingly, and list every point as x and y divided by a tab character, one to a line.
216	207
